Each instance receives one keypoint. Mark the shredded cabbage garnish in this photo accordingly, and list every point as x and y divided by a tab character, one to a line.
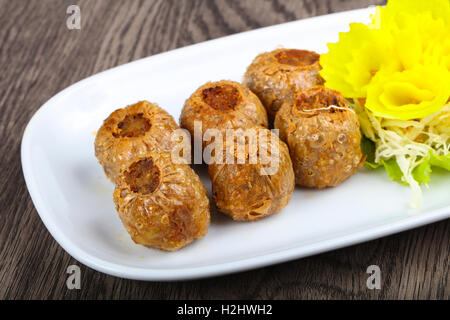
408	148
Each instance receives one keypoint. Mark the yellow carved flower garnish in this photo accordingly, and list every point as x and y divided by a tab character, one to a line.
439	52
410	94
389	16
350	64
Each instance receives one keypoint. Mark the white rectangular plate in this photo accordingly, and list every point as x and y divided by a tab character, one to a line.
74	198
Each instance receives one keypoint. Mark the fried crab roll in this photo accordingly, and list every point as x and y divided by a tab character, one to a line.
162	205
323	136
260	180
132	132
275	77
221	105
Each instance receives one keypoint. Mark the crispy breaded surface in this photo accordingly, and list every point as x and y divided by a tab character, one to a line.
130	133
323	135
162	205
276	76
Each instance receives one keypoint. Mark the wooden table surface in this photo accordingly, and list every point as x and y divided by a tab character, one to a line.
39	56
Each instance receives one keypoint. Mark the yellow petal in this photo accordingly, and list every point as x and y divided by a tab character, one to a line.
409	94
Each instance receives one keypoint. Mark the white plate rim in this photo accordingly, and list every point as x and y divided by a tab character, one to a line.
214	269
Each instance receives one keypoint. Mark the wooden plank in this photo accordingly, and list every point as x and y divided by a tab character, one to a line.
39	57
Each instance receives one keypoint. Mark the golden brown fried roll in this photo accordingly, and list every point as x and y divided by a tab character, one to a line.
275	77
221	105
131	133
252	189
162	205
323	135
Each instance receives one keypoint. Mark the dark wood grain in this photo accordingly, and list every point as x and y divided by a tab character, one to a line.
39	56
